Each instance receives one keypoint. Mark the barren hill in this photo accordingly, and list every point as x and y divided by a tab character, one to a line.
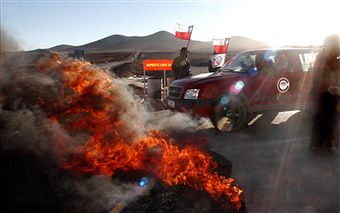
61	47
161	41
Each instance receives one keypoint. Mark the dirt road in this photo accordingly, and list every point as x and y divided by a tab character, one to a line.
278	172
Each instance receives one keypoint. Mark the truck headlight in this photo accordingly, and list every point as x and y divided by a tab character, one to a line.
191	94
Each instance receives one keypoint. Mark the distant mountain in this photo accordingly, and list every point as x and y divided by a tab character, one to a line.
63	47
161	41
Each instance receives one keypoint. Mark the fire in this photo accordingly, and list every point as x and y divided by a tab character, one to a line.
91	103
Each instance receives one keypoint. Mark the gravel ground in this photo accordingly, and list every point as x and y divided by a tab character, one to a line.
273	163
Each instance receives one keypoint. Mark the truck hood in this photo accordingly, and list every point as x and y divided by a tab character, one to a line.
206	77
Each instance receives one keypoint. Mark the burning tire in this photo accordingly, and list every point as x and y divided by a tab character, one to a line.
229	114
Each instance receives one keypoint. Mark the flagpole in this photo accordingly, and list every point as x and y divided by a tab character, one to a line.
225	57
192	29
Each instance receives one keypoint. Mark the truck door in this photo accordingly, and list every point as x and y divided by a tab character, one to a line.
287	78
263	84
283	81
294	78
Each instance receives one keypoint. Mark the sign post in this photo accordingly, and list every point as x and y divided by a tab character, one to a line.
157	65
164	84
144	82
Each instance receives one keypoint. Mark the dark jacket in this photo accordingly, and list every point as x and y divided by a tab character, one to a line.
181	67
326	73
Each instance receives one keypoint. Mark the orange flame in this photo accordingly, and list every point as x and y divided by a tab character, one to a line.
90	103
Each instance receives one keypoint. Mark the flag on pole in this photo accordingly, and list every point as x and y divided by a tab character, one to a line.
218	60
183	32
221	45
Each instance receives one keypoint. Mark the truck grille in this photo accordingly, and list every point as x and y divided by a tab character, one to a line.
175	92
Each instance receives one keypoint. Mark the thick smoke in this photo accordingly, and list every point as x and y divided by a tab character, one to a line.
181	127
167	121
8	44
33	148
31	169
7	49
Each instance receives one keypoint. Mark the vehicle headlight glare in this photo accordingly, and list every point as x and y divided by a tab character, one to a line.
239	85
191	94
236	87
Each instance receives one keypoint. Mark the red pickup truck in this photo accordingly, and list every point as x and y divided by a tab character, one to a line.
252	81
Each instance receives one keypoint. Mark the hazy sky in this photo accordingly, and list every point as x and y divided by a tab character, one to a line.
43	24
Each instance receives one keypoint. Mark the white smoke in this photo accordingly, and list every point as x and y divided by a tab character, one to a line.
29	137
25	128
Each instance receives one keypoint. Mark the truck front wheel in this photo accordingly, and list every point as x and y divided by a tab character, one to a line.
229	114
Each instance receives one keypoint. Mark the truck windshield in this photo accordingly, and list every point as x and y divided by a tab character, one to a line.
240	63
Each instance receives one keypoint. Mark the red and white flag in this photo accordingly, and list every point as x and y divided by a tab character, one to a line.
221	45
183	32
218	60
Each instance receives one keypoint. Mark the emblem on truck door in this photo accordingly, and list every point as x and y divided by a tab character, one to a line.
283	85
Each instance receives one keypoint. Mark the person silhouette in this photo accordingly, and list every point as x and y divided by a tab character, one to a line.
181	64
326	88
